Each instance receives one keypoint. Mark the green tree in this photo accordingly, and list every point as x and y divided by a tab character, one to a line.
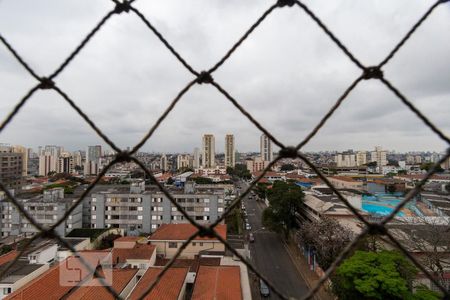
427	166
240	171
202	180
261	190
284	202
377	275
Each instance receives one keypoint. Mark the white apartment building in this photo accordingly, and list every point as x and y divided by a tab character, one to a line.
266	148
183	161
379	156
163	163
46	209
196	158
141	209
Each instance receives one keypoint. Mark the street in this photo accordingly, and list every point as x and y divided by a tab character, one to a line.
270	256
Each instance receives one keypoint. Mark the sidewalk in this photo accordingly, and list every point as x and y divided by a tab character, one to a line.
309	276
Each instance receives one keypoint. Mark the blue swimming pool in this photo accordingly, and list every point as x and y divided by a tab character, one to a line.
384	204
379	210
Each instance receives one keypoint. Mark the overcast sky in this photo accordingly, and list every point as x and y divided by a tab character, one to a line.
287	74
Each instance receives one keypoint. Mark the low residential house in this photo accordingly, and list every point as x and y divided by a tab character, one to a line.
48	285
171	286
128	251
123	281
169	238
218	282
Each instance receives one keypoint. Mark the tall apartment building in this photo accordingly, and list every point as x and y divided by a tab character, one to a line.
10	167
196	158
46	209
266	148
230	155
91	165
361	158
163	163
65	163
145	209
47	163
183	161
25	155
209	151
345	160
77	158
379	156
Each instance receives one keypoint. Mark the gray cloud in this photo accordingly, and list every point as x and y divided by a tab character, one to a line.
287	74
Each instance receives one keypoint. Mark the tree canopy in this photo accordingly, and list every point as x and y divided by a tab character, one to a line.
240	171
378	275
284	201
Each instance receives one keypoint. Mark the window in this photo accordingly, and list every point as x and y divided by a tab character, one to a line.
173	245
194	244
220	209
154	226
174	208
132	208
206	200
205	218
94	217
139	200
154	217
201	244
94	207
160	208
206	208
140	208
220	200
94	199
139	217
6	291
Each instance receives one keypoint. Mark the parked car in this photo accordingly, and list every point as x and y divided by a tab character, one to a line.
263	288
251	238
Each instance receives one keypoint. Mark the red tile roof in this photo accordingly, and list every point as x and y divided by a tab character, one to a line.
218	283
168	288
192	264
10	256
93	290
181	232
140	251
48	285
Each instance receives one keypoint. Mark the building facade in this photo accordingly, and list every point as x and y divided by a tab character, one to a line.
230	158
46	209
209	151
91	165
266	148
145	209
11	168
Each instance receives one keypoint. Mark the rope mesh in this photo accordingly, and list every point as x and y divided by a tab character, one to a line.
205	77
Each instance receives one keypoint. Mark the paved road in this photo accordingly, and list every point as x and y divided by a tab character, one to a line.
271	257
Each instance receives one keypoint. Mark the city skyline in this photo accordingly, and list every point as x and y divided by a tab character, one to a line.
371	115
